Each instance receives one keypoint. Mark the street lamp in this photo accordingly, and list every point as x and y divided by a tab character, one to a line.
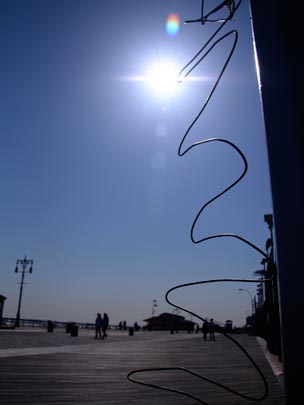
251	299
154	305
24	263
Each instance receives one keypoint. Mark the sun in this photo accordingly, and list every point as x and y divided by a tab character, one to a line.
161	78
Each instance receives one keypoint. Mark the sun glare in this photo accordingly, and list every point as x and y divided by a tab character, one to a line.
162	78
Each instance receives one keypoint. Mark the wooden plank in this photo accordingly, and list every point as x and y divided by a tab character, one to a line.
82	370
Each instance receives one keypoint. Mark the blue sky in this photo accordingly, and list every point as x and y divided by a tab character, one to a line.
92	187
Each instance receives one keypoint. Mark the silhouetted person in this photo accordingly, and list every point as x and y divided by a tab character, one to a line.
136	327
120	325
105	325
124	325
211	329
98	326
205	329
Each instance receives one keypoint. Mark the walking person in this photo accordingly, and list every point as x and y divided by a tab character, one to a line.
98	325
105	325
205	329
211	329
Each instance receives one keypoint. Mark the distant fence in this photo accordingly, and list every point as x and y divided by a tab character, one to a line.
42	323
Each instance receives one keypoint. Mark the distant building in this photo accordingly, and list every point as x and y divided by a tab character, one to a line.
228	325
170	322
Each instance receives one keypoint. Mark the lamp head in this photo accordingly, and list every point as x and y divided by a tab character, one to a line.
269	221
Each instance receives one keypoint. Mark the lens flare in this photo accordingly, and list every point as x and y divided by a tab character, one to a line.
173	24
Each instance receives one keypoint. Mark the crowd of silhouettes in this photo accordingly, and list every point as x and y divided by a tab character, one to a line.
123	326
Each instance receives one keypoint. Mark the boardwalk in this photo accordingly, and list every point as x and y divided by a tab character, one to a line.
55	368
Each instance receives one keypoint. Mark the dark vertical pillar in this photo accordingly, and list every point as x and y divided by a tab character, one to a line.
276	27
2	299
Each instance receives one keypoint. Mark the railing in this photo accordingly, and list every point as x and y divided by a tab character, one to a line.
42	323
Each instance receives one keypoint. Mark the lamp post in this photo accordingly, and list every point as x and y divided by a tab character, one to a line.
154	305
24	263
251	299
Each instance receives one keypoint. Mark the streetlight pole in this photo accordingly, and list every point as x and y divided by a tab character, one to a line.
154	305
251	299
24	263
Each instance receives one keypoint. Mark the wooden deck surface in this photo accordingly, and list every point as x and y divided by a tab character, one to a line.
55	368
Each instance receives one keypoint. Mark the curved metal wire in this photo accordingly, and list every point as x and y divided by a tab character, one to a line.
185	72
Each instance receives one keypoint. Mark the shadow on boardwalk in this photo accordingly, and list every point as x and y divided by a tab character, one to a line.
53	368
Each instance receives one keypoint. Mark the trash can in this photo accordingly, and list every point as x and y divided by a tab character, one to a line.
74	330
50	326
131	331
